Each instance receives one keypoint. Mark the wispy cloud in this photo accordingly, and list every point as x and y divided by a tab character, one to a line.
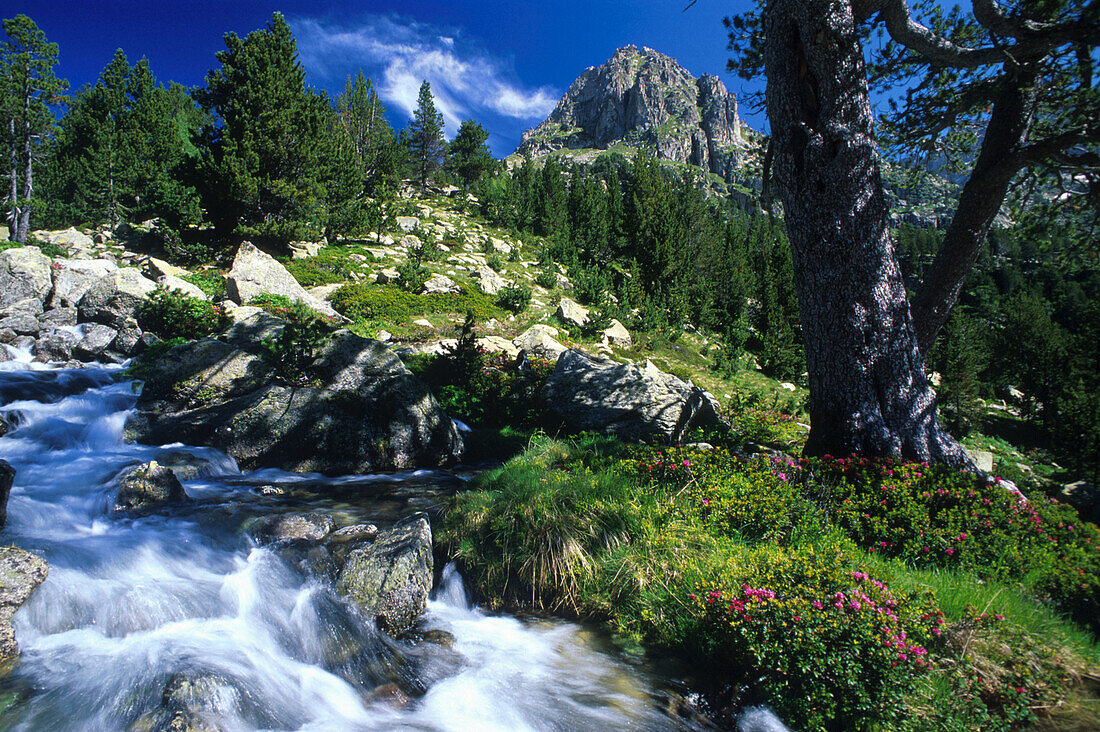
399	54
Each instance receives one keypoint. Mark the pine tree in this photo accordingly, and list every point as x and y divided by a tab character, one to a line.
426	142
468	155
273	166
363	118
118	149
28	89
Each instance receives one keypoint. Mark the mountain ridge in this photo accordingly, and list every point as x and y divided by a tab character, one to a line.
641	97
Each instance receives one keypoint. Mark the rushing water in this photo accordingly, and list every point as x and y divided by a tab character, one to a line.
134	602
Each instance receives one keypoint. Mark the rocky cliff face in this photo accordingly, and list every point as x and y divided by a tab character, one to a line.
642	97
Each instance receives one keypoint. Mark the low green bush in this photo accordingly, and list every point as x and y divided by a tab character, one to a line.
771	575
324	269
211	283
515	298
293	350
362	302
172	314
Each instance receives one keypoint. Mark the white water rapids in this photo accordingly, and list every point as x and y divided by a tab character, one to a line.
135	601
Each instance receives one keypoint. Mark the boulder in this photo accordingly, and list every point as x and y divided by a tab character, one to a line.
58	317
390	579
439	284
146	486
407	223
369	414
496	344
24	273
69	239
292	527
26	305
23	323
539	340
572	312
617	335
983	460
7	477
115	297
56	347
632	401
128	341
304	249
255	272
172	282
488	280
72	278
387	275
155	269
251	327
20	575
356	532
94	342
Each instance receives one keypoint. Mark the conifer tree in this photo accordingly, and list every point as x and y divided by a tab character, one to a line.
117	149
426	143
273	164
468	155
28	89
363	118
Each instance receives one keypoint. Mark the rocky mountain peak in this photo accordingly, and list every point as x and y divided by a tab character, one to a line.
643	97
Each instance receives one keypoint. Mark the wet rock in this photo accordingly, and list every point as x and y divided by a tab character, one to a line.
7	335
390	694
358	532
128	341
115	297
24	274
4	426
22	342
23	323
20	575
186	465
539	340
146	486
55	347
633	401
370	412
390	579
194	703
7	477
58	317
291	527
95	341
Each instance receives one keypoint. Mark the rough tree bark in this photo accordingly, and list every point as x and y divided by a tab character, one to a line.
868	391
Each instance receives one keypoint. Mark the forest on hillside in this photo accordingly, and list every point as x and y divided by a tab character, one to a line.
257	154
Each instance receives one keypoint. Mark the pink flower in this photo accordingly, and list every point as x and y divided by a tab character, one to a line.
950	551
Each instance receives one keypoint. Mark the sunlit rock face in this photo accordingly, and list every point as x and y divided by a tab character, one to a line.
643	98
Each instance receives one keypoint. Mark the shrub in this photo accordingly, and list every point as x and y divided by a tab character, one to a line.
933	516
293	350
411	276
172	314
211	283
547	278
362	302
494	262
514	297
326	268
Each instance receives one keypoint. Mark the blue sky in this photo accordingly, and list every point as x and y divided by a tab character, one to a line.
502	63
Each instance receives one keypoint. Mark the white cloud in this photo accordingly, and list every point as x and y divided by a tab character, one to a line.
399	54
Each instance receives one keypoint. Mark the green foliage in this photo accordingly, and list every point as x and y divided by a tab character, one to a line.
364	303
748	569
171	314
469	157
493	261
276	159
293	350
330	265
411	276
213	284
363	119
485	390
425	136
122	148
515	298
29	90
547	277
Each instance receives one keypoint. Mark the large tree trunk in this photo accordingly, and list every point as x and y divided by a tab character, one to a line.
868	391
981	198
